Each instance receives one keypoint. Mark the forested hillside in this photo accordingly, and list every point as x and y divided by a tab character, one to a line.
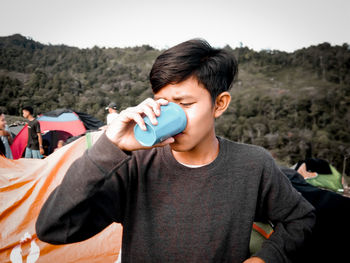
294	104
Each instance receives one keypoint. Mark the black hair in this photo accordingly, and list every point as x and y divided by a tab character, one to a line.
216	69
28	108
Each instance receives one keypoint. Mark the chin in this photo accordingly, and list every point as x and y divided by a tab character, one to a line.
179	147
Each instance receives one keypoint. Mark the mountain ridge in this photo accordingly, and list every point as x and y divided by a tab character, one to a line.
290	103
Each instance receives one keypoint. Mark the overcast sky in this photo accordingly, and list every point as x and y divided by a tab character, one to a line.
259	24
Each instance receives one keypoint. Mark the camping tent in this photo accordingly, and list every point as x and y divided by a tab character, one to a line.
65	123
320	173
25	184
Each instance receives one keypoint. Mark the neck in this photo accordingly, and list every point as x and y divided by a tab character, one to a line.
30	118
202	154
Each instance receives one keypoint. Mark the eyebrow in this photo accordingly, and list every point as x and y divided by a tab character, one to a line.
177	98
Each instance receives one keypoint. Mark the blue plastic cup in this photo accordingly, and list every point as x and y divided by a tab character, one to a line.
172	121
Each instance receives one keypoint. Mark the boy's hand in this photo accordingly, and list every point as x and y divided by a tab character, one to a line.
121	130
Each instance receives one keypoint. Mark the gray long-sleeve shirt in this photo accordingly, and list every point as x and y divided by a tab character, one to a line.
173	213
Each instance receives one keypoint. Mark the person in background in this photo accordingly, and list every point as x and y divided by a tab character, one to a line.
34	147
112	112
2	149
60	144
6	138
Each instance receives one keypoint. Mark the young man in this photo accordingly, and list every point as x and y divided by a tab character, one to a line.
2	129
34	147
112	112
5	137
193	197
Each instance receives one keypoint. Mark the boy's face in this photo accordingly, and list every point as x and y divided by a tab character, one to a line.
25	113
196	101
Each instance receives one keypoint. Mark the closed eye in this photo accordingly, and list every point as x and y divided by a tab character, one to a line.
186	104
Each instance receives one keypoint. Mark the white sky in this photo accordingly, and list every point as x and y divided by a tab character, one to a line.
259	24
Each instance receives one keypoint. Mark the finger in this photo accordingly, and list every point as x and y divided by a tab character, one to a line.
166	142
161	102
155	105
132	115
139	120
149	112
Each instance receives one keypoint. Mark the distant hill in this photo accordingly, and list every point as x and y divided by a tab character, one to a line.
294	104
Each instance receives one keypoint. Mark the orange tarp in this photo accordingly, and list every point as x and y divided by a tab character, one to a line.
25	184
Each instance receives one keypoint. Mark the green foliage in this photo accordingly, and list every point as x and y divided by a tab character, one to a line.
293	104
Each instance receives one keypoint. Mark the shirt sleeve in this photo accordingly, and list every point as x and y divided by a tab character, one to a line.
292	216
90	197
37	127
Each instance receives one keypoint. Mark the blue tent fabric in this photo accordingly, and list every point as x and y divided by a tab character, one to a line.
64	117
90	122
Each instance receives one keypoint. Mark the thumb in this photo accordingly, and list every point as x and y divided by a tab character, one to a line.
166	142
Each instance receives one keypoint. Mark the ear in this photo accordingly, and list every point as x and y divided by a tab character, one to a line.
221	103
